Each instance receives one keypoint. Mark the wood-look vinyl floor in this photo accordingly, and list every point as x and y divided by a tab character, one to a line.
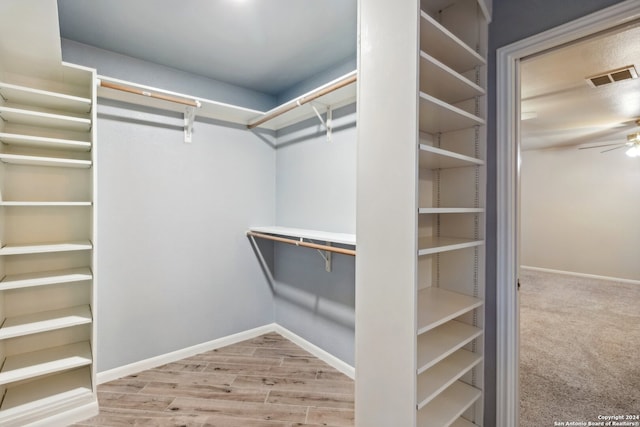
267	381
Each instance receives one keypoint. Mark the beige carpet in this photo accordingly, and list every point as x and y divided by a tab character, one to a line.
579	350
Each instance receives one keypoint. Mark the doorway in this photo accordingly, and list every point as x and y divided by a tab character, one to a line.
508	169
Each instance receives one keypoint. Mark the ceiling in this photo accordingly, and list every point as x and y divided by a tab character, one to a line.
559	107
264	45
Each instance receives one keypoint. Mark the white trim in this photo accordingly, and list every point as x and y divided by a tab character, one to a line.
507	146
152	362
321	354
66	418
585	275
134	368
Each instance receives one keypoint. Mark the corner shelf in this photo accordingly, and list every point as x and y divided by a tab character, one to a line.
437	158
44	142
446	47
438	306
448	405
38	248
19	159
43	362
45	321
434	245
324	236
444	83
440	342
45	278
449	210
443	374
438	116
16	94
43	204
42	119
69	388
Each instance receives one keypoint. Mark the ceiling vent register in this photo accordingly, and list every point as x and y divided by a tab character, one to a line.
617	75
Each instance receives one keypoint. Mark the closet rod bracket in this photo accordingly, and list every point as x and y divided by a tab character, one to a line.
189	117
327	124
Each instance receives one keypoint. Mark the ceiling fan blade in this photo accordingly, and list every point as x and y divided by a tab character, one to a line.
602	145
614	148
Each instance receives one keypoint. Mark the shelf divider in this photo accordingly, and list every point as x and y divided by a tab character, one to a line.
45	321
442	341
438	306
45	278
38	248
448	405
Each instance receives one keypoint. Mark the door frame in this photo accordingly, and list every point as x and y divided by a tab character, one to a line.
508	177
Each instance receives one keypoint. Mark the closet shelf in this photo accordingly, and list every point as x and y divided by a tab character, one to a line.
434	245
38	248
19	159
436	158
43	142
67	389
432	382
446	47
440	342
437	116
444	83
42	119
323	236
57	101
449	210
44	278
335	94
210	109
438	306
45	321
38	204
279	117
448	405
43	362
461	422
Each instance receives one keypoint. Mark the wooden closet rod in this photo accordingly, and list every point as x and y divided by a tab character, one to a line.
302	243
155	95
303	100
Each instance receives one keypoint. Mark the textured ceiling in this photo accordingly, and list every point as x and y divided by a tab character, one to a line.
565	110
265	45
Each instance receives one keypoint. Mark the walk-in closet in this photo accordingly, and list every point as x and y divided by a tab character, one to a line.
174	246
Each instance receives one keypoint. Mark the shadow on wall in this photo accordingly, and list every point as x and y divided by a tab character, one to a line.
301	279
307	130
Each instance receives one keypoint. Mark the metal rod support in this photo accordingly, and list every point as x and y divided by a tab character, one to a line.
301	101
303	243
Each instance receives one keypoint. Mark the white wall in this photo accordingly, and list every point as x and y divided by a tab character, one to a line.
581	211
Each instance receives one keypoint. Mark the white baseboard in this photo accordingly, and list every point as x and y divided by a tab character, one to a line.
136	367
326	357
142	365
588	276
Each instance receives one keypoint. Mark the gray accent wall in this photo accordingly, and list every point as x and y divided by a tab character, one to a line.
176	268
513	20
135	70
316	189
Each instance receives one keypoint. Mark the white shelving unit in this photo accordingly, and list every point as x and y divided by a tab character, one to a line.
450	296
47	277
420	282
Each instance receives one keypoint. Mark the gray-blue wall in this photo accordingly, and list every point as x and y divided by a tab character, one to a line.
135	70
175	266
316	189
513	20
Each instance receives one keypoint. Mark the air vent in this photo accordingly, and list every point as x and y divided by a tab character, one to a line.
612	76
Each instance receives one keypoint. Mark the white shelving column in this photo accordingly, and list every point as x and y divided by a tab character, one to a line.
420	225
47	248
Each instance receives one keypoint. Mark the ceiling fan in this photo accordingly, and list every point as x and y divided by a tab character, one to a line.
632	143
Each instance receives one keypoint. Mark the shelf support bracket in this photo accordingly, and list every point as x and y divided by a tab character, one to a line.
189	117
326	124
326	255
